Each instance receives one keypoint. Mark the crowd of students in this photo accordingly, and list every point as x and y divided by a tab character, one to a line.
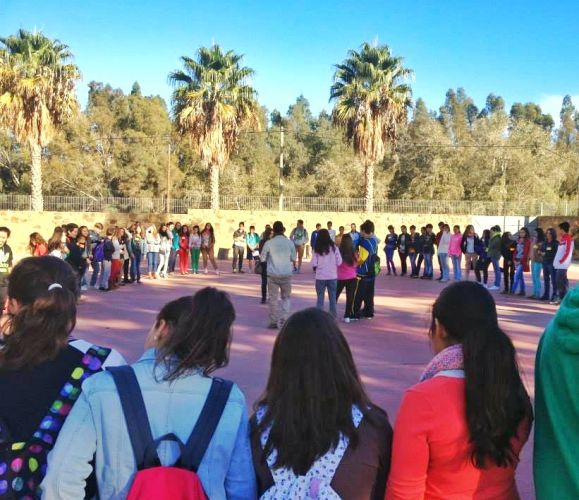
68	429
547	252
350	261
107	259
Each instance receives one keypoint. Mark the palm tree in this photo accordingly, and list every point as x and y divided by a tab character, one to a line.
37	93
371	101
212	103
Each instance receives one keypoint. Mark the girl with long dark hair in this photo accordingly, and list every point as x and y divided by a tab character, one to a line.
347	276
315	433
164	251
521	260
208	247
325	262
460	431
188	341
41	368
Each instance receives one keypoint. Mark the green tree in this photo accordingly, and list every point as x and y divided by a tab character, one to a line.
567	133
37	94
533	113
371	103
212	103
457	115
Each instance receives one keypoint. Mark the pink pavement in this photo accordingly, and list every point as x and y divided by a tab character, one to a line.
390	351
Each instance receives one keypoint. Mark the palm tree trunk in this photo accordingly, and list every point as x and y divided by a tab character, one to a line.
214	183
36	176
369	194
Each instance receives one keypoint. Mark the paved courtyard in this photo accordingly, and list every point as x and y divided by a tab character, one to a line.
391	350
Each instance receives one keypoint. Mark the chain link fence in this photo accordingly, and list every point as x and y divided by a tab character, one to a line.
295	204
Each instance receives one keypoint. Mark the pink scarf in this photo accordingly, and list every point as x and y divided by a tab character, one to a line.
450	358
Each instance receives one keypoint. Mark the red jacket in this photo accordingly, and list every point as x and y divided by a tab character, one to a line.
525	258
431	455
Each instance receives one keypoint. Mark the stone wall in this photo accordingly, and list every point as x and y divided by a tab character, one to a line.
224	222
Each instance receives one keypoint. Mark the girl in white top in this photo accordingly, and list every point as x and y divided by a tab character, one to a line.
443	247
164	251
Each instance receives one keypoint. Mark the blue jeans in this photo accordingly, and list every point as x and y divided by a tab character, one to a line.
536	268
497	271
562	283
136	267
550	278
321	287
152	262
96	266
390	260
413	263
456	269
519	279
428	265
443	258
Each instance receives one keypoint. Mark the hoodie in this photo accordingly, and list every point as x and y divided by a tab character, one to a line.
556	454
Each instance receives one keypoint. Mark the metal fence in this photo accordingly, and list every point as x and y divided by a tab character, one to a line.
295	204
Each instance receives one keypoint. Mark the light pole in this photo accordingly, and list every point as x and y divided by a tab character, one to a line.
281	169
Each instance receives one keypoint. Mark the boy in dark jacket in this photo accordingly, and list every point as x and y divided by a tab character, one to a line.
508	248
428	252
403	249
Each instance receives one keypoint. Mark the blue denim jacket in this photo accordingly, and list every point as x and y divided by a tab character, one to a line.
97	425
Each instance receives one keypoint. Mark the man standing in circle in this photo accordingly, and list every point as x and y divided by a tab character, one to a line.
331	231
355	235
279	253
299	236
239	237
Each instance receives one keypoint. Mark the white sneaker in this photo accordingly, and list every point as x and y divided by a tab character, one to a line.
83	288
493	288
206	271
347	320
217	272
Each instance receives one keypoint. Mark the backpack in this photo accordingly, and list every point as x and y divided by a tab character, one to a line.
317	481
98	252
153	480
374	265
23	464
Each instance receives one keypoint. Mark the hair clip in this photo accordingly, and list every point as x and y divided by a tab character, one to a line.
54	286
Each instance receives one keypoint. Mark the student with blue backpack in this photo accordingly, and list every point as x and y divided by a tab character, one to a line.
41	370
162	428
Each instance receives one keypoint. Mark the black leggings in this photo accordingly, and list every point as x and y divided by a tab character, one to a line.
263	281
126	268
350	286
508	271
482	265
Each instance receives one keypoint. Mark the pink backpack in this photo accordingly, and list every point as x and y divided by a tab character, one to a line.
153	480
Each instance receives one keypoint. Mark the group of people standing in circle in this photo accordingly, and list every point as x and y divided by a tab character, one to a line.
549	253
314	433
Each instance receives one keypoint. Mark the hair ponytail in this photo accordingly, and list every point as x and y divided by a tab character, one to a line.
45	290
496	399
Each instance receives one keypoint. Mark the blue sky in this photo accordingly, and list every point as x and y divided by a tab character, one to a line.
522	50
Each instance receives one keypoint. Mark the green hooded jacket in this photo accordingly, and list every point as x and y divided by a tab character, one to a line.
556	455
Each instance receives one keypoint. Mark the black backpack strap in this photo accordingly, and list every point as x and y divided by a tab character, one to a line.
134	411
204	429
